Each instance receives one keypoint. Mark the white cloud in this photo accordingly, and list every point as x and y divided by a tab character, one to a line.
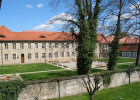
43	27
29	6
60	19
40	5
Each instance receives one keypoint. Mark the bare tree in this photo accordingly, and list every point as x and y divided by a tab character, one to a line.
92	84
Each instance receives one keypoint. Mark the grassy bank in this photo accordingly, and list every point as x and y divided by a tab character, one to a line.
126	92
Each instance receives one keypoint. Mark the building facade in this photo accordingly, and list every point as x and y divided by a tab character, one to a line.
39	47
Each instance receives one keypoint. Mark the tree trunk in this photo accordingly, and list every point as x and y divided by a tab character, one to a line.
138	55
91	97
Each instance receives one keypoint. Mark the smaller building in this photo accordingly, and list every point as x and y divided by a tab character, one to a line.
129	46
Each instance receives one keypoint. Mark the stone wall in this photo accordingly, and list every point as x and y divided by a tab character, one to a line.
70	86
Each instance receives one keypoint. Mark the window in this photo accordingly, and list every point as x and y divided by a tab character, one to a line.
62	45
56	45
56	55
29	45
21	46
14	45
29	55
6	45
67	45
14	56
73	54
68	54
6	56
36	45
123	54
50	55
36	55
43	45
62	54
72	45
50	45
43	55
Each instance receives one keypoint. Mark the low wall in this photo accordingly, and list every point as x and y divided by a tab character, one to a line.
68	86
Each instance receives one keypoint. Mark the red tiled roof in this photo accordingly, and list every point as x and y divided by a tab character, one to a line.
129	48
35	36
125	40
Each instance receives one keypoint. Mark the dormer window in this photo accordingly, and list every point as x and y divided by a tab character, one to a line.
2	36
42	36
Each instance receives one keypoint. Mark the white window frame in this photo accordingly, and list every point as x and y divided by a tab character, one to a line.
14	56
36	55
56	55
62	54
29	56
36	45
43	55
21	45
43	45
14	45
56	45
6	57
50	45
50	55
6	45
29	46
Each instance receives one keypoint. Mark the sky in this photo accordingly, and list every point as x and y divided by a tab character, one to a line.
20	15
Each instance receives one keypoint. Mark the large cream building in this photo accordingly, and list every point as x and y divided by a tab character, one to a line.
41	47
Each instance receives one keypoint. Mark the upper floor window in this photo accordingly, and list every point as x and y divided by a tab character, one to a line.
36	55
56	55
56	45
50	45
6	56
21	46
72	44
29	55
50	55
29	45
14	45
62	45
36	45
67	45
14	56
43	55
6	45
43	45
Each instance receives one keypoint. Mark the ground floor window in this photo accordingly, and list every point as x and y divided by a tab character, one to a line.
50	55
36	55
43	55
14	56
56	55
123	54
29	55
6	56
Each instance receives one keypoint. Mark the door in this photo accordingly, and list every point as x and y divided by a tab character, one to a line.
22	58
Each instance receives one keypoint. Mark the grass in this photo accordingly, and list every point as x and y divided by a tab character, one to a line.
10	69
48	75
125	92
55	74
120	60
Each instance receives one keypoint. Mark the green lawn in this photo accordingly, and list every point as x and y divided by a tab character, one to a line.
126	92
56	74
120	60
48	75
10	69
